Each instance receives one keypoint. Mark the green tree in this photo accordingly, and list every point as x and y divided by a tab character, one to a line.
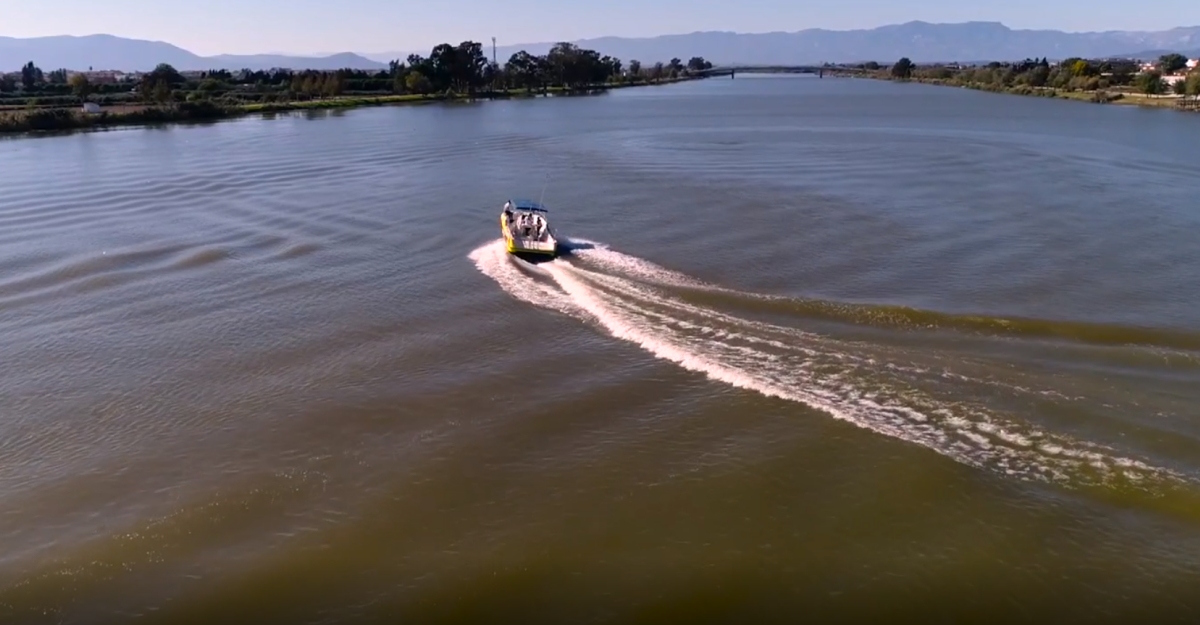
31	76
936	73
312	84
674	67
1039	75
635	68
7	83
80	85
1171	63
612	67
471	63
442	66
458	68
1179	87
1122	74
161	92
524	70
157	85
1150	83
399	72
492	75
1193	83
334	84
903	68
1078	83
571	66
463	67
418	82
615	67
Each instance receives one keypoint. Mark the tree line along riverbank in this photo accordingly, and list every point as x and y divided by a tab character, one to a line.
1167	83
60	100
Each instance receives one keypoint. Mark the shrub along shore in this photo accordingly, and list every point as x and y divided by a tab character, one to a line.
1118	81
60	118
56	101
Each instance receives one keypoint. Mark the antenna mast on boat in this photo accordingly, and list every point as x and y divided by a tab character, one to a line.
544	185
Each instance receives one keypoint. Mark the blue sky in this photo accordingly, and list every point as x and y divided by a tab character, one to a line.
310	26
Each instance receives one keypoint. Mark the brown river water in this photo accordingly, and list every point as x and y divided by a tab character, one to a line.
817	348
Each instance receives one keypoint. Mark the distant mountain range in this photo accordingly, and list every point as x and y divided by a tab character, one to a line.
919	41
107	52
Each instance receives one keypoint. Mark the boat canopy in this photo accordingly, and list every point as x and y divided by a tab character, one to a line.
527	205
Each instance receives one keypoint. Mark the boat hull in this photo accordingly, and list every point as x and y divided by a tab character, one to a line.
517	249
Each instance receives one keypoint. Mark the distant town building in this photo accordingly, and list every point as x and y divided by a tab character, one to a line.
1154	67
103	77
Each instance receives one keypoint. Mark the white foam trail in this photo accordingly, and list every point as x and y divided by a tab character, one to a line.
494	262
617	262
793	365
631	266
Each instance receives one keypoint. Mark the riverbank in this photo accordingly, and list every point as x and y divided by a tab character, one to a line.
22	121
1096	96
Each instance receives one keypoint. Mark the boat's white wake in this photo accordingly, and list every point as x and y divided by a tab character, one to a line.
626	297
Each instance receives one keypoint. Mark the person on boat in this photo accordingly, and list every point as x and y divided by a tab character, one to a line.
508	212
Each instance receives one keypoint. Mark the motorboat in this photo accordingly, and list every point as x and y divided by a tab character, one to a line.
526	228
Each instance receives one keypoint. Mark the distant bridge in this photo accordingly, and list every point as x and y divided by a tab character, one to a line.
820	70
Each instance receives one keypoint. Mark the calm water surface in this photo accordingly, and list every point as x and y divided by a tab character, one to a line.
820	347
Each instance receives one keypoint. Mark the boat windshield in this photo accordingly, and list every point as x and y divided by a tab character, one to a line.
527	206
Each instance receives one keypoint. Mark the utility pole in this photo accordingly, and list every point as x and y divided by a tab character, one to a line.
494	51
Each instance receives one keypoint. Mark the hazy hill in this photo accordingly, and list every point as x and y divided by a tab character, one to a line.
118	53
266	61
920	41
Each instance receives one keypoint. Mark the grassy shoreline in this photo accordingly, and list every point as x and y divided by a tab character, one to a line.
1094	96
55	120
